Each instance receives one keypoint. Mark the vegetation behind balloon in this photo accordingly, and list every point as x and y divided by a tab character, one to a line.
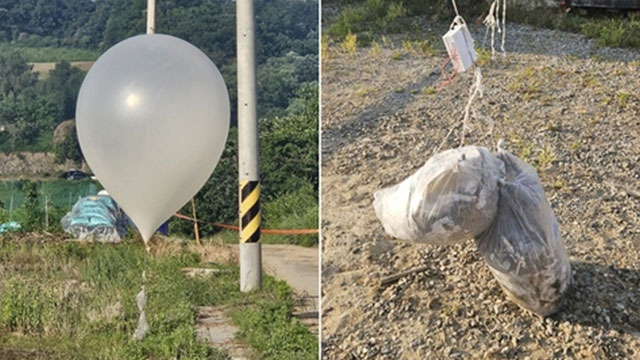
31	108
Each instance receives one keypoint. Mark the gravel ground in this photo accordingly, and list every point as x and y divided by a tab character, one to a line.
561	103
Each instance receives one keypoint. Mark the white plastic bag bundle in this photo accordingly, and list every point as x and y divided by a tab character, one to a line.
452	198
523	246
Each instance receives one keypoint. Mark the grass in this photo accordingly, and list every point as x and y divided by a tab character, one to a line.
375	49
608	29
62	300
51	54
378	16
350	44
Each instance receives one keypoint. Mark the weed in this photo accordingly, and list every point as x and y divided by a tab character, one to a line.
590	81
522	148
407	45
326	55
428	90
546	157
350	44
623	99
560	184
397	55
484	56
362	91
386	42
375	49
606	100
425	48
575	146
395	11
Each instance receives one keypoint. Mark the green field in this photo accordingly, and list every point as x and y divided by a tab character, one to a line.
51	54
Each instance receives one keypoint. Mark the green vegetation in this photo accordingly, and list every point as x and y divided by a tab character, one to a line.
608	29
50	53
392	16
65	30
372	17
63	300
289	166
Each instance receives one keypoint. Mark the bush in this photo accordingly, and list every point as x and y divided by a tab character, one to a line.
297	210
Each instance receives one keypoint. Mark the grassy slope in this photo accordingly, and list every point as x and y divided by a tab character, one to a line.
62	300
373	17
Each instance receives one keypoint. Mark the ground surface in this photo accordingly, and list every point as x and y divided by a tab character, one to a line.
561	103
297	265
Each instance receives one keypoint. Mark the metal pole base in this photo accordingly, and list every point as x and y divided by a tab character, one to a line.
250	266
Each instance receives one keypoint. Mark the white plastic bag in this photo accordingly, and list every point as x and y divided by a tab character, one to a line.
452	198
523	246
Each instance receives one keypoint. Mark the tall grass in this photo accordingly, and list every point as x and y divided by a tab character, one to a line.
65	300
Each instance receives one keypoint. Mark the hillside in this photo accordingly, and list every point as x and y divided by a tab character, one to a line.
47	47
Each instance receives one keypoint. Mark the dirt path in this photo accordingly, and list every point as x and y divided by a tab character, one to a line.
561	103
296	265
215	329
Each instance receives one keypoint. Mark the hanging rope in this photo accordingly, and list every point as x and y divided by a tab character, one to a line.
476	90
504	26
455	7
493	21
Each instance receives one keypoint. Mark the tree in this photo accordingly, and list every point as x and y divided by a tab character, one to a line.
289	147
62	87
15	74
33	216
69	148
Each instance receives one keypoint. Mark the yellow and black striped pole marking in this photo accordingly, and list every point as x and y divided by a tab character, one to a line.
249	211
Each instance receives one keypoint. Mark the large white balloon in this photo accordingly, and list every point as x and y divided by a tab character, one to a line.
152	120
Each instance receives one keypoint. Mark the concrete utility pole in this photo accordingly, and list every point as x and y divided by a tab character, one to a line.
248	167
151	16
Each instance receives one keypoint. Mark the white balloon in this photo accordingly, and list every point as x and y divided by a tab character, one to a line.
152	118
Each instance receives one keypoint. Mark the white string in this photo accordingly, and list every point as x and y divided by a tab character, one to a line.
490	21
455	7
504	25
476	90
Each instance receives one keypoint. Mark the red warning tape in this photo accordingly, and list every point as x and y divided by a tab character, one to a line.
262	231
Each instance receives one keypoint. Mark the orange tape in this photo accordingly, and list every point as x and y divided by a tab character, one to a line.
262	231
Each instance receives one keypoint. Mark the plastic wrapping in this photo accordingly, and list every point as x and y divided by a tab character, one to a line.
96	217
452	198
143	324
523	246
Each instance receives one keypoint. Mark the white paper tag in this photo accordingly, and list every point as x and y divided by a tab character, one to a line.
460	46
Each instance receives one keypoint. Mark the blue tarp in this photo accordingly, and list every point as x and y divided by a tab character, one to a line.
9	226
96	218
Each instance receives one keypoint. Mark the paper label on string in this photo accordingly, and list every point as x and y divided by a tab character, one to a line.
460	47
